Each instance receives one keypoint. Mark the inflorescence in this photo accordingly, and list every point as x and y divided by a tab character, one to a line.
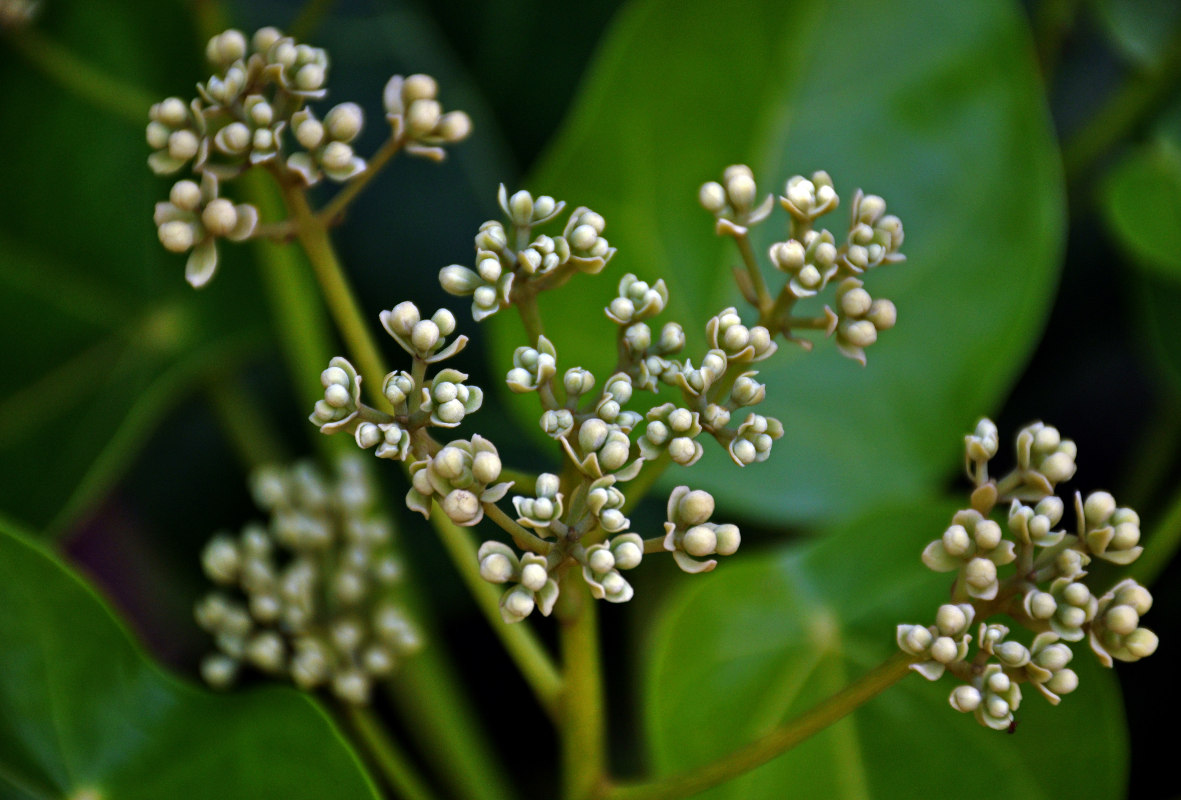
312	594
253	112
576	519
1044	590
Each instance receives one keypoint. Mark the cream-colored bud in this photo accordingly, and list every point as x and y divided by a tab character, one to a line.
951	620
171	112
1064	681
1098	508
600	560
1121	619
496	568
741	190
519	602
699	540
682	450
336	156
344	122
425	336
712	197
454	126
859	333
263	139
310	77
219	217
352	686
486	467
1054	657
185	195
422	116
183	145
855	302
1077	594
176	236
944	650
883	314
694	508
789	256
233	138
965	698
1141	642
987	534
592	435
445	321
729	538
534	577
1042	605
980	573
461	506
309	133
419	87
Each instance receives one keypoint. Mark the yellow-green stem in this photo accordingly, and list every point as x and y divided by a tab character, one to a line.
331	213
518	639
756	274
386	755
346	312
582	723
772	744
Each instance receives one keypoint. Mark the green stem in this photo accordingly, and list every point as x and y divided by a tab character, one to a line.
518	639
582	723
770	745
247	429
76	75
1130	106
333	211
756	274
313	236
530	317
386	755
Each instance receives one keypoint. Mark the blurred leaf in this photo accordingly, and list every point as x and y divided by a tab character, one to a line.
935	106
1142	204
81	707
758	641
110	335
1140	29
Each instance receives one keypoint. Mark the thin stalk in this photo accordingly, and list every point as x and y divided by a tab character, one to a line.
248	431
536	666
346	312
77	76
756	274
333	211
582	723
386	755
530	317
770	745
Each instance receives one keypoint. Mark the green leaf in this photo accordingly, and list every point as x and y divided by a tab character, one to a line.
111	338
752	644
82	707
935	106
1140	29
1142	205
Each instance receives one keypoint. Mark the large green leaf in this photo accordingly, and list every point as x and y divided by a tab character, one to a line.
754	643
103	335
1142	205
934	105
81	707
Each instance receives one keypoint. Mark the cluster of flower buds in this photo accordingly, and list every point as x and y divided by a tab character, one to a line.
312	595
1044	590
505	264
252	111
810	256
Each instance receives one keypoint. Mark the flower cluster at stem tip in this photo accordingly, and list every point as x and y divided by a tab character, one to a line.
1045	589
574	521
312	594
253	112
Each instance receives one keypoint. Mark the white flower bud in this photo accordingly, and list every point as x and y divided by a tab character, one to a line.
951	620
1121	620
944	650
965	698
534	577
600	560
1077	594
882	314
997	706
855	302
741	190
418	87
171	112
699	540
461	506
1042	605
266	651
219	217
486	466
987	534
519	602
352	686
728	539
712	197
344	122
425	336
694	508
980	573
1141	642
1064	681
336	156
496	568
183	145
592	435
1098	508
454	126
176	236
220	560
337	396
185	195
956	541
310	77
309	133
859	333
219	670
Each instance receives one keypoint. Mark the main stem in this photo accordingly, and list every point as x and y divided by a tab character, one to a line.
772	744
584	739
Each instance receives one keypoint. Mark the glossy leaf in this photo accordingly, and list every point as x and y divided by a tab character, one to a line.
756	642
82	707
1142	205
935	106
110	336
